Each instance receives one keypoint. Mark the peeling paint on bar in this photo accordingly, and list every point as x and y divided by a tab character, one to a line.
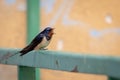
75	69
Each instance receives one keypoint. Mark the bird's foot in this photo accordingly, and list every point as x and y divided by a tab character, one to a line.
44	49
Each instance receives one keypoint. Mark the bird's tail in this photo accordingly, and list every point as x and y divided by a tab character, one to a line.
23	53
25	50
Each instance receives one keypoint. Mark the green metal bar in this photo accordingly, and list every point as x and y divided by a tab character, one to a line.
27	73
65	61
32	19
111	78
30	73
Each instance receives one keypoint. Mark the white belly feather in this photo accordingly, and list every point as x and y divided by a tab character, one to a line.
43	44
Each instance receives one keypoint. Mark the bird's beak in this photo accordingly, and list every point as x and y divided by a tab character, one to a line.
53	30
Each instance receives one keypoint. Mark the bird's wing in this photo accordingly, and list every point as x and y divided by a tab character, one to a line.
32	45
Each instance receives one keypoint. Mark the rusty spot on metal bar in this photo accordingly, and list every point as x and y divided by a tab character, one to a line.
56	62
75	69
6	56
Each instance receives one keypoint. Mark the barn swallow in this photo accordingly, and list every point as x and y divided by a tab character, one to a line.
41	41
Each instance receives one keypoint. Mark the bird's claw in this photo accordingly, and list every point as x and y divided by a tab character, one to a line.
44	49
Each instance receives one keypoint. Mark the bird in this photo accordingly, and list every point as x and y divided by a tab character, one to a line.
40	42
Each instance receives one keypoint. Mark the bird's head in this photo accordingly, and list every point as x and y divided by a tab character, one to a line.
49	31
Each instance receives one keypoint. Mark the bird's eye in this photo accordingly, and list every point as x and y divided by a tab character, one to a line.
48	30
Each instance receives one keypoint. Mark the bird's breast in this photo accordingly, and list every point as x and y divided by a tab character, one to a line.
44	43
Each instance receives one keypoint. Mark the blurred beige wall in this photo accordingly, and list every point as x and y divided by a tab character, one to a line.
86	26
12	23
